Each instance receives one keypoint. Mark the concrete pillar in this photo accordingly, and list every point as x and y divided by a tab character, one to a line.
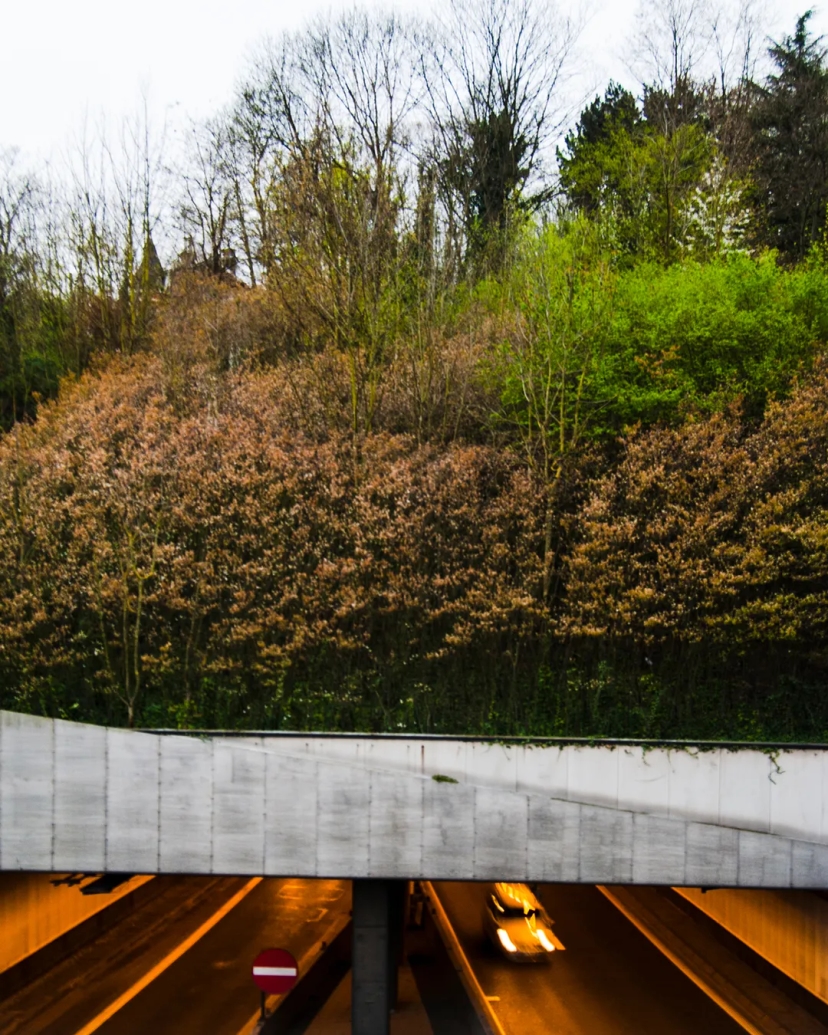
397	919
376	951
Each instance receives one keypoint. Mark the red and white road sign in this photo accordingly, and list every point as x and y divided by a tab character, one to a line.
275	971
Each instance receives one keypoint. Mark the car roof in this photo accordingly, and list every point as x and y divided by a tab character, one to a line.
516	896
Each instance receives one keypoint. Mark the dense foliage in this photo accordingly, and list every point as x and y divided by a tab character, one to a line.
415	434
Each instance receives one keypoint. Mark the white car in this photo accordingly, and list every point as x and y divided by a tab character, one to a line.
517	924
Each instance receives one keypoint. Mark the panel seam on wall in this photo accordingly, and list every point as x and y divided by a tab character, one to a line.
213	805
106	801
316	824
264	811
54	792
159	761
2	782
371	775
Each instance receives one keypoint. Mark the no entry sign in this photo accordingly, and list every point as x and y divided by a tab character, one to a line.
275	971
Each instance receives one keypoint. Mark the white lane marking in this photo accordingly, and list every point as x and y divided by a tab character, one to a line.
168	960
274	971
480	1001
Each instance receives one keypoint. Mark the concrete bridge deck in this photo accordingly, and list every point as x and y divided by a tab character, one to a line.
87	798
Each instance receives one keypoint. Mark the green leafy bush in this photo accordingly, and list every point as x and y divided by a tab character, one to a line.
693	338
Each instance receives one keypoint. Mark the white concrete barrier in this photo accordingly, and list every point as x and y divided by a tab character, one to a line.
787	928
779	792
34	911
74	796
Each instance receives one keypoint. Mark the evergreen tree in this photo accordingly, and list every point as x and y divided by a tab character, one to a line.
635	175
590	166
791	125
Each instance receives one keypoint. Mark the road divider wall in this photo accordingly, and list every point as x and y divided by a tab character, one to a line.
789	929
42	923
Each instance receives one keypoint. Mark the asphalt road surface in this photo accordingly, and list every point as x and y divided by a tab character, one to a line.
610	980
207	989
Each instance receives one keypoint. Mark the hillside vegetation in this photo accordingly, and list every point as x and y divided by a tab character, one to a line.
422	430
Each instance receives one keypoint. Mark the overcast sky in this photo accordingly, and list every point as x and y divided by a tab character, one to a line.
65	62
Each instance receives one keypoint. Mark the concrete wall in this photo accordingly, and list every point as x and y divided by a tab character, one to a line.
80	797
33	912
785	793
787	928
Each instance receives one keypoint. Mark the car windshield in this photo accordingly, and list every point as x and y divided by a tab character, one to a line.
507	911
511	912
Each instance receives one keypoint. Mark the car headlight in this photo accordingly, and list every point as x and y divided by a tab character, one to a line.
506	941
542	938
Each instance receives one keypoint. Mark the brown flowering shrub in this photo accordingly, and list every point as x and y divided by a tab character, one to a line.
209	561
701	573
431	386
185	545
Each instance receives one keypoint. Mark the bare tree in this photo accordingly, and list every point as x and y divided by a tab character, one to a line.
114	208
672	40
493	90
736	35
351	81
324	121
363	70
737	44
207	207
269	121
697	62
19	204
135	170
562	294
